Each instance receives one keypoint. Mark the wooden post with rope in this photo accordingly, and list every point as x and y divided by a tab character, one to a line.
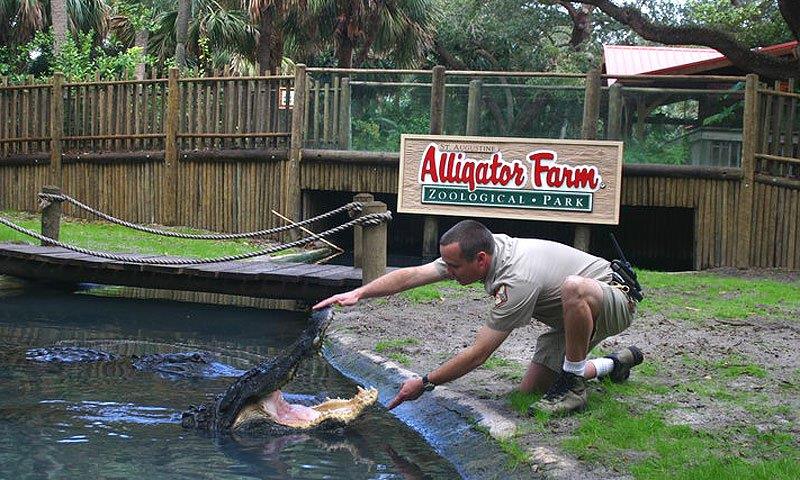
373	244
358	230
51	215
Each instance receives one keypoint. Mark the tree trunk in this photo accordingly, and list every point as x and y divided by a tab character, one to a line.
58	12
181	29
142	37
276	52
344	54
266	42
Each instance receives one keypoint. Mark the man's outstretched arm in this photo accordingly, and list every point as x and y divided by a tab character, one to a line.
389	284
486	342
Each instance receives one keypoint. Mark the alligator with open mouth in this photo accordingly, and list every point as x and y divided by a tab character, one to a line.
254	403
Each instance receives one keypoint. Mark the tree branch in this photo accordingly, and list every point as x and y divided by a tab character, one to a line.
741	56
581	23
790	11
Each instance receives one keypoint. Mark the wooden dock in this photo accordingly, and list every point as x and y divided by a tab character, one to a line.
252	278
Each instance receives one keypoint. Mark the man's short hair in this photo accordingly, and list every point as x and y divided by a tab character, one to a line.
472	237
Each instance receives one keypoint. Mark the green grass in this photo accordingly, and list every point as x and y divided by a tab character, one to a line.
496	363
423	294
436	291
520	401
506	369
510	446
400	358
109	237
732	366
612	433
699	296
394	345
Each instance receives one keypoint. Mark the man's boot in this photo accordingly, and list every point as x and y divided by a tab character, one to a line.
624	360
566	395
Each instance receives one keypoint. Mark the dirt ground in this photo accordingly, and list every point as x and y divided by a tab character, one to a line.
678	353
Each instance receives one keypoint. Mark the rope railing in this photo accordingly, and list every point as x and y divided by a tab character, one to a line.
371	219
50	197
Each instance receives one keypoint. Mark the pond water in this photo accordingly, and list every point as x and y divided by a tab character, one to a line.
108	420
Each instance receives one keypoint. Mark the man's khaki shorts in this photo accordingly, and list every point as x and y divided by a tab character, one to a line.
615	316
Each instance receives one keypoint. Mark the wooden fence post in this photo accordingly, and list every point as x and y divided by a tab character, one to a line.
373	241
430	229
171	163
56	128
744	212
591	115
345	135
358	230
292	201
51	215
614	112
474	107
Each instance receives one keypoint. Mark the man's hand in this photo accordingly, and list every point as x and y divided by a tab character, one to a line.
345	299
411	390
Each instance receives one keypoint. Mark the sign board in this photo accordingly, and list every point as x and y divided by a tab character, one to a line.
518	178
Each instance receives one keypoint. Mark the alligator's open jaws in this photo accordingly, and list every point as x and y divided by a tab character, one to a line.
254	402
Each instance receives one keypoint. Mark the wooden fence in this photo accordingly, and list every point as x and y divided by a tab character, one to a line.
220	153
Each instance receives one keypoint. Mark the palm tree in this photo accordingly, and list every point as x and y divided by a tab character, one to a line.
231	37
131	24
401	29
58	12
181	28
21	19
277	21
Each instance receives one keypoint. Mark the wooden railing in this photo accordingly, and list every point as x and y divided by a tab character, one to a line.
213	152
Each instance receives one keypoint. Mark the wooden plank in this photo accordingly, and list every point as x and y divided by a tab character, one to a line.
795	222
326	114
772	212
214	269
293	273
75	259
334	135
316	113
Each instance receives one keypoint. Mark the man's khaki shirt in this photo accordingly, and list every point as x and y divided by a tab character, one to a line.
525	279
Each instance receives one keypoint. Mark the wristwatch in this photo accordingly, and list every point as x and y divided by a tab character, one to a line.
427	385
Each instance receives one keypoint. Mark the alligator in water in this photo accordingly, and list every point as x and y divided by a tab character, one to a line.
169	365
254	404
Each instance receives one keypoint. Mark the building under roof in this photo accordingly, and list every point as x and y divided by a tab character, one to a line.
654	60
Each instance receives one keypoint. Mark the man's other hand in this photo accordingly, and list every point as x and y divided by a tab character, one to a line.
411	390
345	299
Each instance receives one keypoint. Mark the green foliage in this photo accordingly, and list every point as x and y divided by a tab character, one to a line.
141	16
657	148
379	118
752	22
81	60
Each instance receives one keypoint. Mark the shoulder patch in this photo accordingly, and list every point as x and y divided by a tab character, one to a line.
501	295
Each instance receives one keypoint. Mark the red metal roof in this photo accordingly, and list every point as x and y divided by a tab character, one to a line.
632	60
